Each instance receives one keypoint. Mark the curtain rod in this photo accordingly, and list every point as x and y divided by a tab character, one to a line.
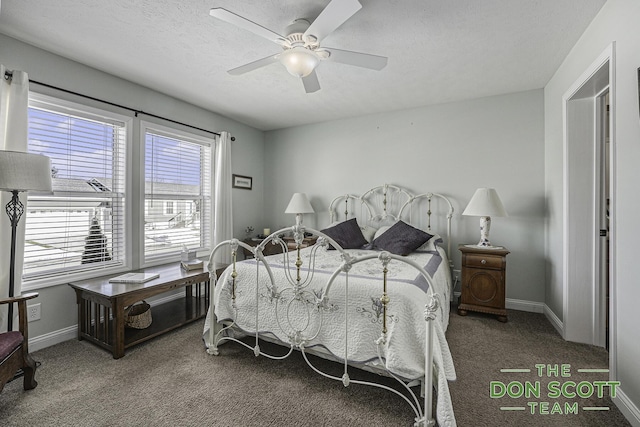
8	74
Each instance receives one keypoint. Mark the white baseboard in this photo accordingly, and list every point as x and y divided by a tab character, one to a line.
627	407
532	307
71	332
522	305
162	300
52	338
518	304
554	320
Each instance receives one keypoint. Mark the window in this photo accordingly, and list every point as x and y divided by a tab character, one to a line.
177	207
81	225
169	208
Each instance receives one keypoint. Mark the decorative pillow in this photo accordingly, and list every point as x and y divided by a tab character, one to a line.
401	239
381	231
347	234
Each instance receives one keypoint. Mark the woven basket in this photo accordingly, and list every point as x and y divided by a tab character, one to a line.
138	316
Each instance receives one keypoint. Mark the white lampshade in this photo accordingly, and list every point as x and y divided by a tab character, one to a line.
299	204
24	171
485	202
299	61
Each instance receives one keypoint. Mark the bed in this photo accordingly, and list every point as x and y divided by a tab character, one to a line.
381	305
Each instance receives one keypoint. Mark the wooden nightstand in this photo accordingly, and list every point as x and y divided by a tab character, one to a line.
307	241
483	281
269	249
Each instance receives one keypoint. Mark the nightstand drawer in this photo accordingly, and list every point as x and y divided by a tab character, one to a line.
484	261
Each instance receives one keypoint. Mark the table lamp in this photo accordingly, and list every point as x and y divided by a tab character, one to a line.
299	205
485	203
20	172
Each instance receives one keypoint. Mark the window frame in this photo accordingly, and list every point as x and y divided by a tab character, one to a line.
191	136
66	106
169	207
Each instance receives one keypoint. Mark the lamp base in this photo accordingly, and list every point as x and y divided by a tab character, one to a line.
485	226
14	210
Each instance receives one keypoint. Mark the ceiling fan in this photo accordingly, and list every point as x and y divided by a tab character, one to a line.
302	51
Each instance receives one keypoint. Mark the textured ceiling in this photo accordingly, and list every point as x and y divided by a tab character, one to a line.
439	50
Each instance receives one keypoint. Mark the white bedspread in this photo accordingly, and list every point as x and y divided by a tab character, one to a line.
404	350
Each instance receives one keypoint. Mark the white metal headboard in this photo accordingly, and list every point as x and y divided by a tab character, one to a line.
379	204
388	203
429	197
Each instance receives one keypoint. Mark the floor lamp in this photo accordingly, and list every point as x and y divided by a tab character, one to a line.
20	172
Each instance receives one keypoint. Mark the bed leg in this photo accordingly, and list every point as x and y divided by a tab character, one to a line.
430	311
213	349
215	326
213	335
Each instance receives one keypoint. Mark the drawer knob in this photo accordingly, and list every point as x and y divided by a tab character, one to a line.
484	261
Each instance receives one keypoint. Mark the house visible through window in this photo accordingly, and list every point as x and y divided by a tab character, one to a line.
80	225
81	229
177	191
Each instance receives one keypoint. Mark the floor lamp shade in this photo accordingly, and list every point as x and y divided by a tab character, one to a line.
20	172
24	172
485	203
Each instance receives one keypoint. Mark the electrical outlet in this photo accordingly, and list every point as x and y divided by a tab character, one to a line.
457	275
33	312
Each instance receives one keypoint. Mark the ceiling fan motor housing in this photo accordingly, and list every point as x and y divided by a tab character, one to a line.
297	26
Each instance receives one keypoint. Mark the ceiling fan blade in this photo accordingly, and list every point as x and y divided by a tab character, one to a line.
334	15
239	21
254	65
311	83
358	59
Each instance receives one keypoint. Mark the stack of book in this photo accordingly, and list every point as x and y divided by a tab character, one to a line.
194	264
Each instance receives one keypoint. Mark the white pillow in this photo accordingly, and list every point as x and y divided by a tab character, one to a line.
368	232
430	245
381	231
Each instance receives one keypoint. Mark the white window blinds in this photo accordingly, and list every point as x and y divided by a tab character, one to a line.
177	210
80	226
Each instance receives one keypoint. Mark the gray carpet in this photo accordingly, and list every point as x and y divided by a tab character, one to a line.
481	346
171	381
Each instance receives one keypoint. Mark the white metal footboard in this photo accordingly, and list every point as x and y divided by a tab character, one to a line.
296	295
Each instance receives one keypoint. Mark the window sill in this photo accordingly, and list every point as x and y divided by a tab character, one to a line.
47	282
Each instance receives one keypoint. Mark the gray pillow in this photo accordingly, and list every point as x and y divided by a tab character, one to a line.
347	234
401	239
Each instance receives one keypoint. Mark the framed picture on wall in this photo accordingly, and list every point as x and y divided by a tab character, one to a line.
244	182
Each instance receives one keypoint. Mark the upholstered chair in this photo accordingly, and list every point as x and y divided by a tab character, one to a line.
14	347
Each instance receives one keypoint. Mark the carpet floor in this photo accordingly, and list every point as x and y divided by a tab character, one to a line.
172	381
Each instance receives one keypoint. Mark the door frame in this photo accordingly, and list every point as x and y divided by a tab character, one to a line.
600	266
582	311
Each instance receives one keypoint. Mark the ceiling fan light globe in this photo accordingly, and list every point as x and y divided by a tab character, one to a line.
299	61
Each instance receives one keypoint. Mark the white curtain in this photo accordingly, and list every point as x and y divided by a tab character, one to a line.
14	103
222	203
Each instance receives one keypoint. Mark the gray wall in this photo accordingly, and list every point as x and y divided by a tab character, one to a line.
617	22
58	302
450	149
